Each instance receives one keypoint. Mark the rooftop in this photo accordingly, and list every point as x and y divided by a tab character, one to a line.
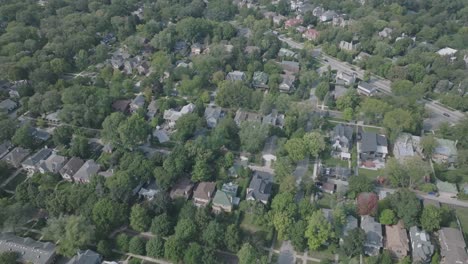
30	251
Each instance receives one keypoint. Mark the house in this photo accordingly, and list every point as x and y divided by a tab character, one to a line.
260	80
52	164
39	134
291	67
341	21
362	56
311	34
29	250
374	236
161	135
236	76
212	115
203	193
351	223
397	240
386	33
287	83
182	189
293	22
446	188
260	187
86	257
422	248
277	19
445	151
346	77
447	51
452	246
31	164
8	105
53	118
196	48
69	169
16	156
144	68
318	11
89	168
226	198
286	53
137	103
328	187
172	115
149	191
152	109
342	140
273	119
349	46
122	106
269	151
328	16
366	89
5	148
242	116
372	149
406	146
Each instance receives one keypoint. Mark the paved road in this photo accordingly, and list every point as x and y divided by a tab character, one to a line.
382	84
440	199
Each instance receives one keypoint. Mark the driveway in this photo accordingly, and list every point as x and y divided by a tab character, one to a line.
287	254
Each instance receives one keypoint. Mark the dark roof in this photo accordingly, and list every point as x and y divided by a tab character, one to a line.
72	166
368	142
38	156
343	131
31	251
17	155
382	140
121	105
260	186
86	257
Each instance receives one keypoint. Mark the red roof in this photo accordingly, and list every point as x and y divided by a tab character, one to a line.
293	22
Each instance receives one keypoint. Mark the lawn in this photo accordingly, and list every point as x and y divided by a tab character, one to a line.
370	174
11	186
372	129
248	225
326	201
462	214
332	162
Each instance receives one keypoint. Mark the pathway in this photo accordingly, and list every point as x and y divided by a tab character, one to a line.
145	258
11	177
287	255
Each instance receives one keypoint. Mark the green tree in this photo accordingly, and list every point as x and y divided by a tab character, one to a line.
137	246
428	144
213	236
8	257
194	254
407	206
73	232
315	143
296	149
253	135
174	248
104	248
359	184
319	231
232	238
387	217
431	218
122	242
155	247
139	218
62	135
79	147
7	127
353	243
248	254
399	120
373	110
162	225
110	133
108	215
186	126
133	131
321	90
185	229
23	137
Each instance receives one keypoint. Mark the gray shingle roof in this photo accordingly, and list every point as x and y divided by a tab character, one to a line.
260	186
452	246
86	257
421	245
30	251
34	160
15	156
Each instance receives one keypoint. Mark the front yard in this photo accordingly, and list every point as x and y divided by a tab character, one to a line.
370	174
